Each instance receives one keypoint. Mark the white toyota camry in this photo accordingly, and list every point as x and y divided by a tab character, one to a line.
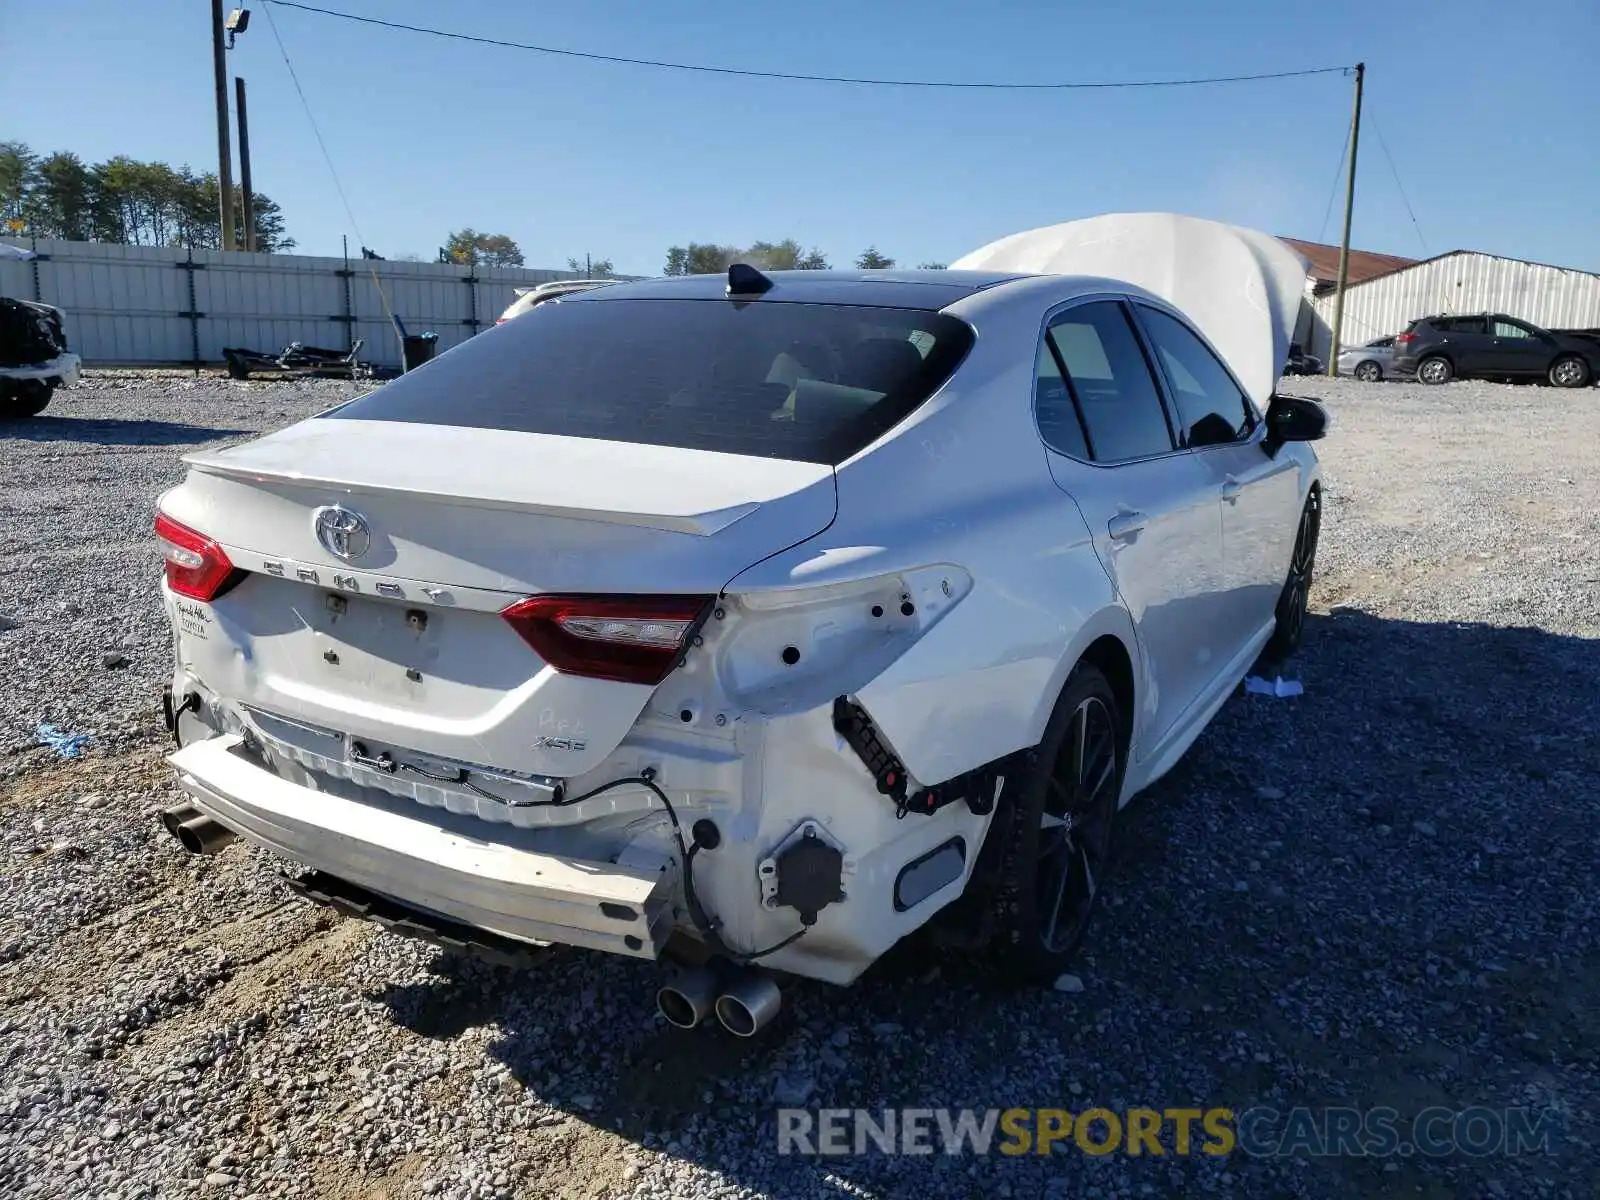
753	622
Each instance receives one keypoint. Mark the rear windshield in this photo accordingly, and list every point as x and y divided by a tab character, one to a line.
808	382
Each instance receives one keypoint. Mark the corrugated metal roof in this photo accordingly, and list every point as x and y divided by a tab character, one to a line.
1363	264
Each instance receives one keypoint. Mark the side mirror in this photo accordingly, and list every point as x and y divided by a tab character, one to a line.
1294	419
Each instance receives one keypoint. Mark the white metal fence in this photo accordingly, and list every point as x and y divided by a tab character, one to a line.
1461	282
156	305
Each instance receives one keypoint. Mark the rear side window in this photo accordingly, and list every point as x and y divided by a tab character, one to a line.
1213	408
1110	379
807	382
1057	415
1461	325
1507	328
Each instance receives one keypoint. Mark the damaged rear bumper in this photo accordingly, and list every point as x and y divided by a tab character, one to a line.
514	893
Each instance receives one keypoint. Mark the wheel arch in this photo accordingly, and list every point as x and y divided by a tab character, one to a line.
1108	642
1444	354
1110	657
1591	363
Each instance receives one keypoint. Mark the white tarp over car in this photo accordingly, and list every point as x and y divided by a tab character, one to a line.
1242	288
7	250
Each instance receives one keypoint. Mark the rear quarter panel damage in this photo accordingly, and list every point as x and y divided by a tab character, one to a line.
965	482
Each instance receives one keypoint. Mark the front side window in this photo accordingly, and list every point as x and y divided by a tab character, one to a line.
807	382
1107	374
1213	408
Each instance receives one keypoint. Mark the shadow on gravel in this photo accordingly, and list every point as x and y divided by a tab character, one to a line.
1381	893
98	432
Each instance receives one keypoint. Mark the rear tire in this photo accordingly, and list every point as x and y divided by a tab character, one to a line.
1056	827
1368	371
24	398
1295	599
1435	369
1569	371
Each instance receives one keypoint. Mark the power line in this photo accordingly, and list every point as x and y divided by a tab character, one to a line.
703	69
311	117
1421	241
334	172
1333	191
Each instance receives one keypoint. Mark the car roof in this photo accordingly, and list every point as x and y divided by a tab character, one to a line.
927	289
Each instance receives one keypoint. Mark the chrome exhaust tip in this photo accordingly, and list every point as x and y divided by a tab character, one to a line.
689	998
202	835
177	815
749	1004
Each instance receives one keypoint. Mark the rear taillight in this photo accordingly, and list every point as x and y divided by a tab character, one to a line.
628	639
196	566
1404	339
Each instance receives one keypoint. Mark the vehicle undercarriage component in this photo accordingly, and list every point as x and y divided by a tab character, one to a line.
977	788
935	870
352	901
749	1004
689	997
851	722
804	872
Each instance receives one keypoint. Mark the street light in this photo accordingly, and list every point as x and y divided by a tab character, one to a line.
238	21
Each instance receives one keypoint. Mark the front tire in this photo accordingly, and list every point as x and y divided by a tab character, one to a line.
25	398
1295	599
1569	371
1436	369
1057	827
1368	372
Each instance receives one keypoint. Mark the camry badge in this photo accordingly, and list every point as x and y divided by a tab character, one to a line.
342	532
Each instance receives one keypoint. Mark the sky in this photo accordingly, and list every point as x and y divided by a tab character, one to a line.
1489	115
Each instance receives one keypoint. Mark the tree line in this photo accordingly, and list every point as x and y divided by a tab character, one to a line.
124	201
711	258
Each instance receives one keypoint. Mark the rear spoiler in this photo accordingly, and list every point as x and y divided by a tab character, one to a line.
696	524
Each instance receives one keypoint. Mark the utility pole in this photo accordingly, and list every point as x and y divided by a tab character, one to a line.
1349	209
247	204
219	64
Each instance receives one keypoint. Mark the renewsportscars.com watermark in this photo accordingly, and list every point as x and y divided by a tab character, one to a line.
1260	1132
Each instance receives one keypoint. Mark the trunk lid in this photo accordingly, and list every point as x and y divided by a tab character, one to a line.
399	642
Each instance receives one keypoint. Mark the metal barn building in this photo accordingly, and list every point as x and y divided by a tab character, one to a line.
1461	281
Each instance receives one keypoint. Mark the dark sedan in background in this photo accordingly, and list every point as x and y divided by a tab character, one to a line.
1494	346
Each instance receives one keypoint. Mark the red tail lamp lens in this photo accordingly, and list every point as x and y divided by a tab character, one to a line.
627	639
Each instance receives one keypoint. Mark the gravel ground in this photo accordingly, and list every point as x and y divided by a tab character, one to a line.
1379	893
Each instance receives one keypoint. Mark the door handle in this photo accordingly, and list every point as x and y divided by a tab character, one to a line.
1125	526
1231	488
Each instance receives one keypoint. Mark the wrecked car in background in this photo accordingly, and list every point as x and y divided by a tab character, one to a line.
34	358
772	618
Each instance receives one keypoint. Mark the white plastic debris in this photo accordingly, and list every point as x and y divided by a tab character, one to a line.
1280	687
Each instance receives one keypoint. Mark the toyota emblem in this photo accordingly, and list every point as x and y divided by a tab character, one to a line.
343	532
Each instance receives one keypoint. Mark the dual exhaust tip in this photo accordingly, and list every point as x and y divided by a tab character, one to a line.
744	1003
199	833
